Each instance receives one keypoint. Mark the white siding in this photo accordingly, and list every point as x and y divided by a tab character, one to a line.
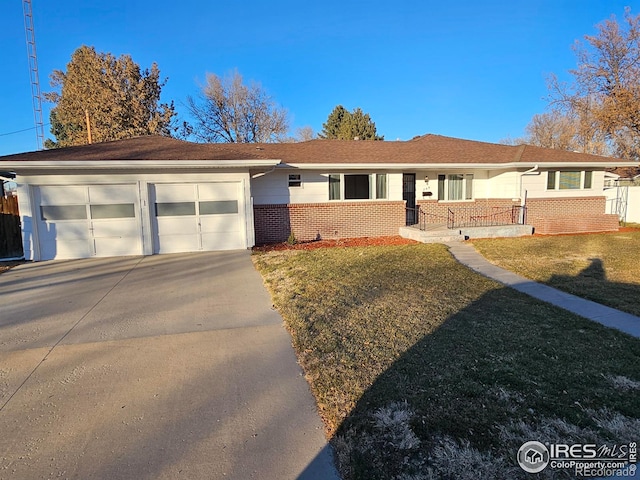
536	186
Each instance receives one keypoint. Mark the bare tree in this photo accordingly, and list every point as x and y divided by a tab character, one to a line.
604	96
227	110
304	134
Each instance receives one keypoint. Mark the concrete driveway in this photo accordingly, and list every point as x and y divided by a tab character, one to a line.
163	367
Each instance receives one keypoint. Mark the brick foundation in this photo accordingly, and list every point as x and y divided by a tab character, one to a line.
570	215
313	221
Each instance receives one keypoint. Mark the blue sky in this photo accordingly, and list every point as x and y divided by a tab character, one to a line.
469	69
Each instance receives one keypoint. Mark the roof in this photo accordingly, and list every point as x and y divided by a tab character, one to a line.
427	149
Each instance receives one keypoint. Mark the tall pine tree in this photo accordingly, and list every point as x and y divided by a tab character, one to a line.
106	98
344	125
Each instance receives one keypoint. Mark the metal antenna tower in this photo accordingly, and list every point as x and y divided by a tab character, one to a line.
33	72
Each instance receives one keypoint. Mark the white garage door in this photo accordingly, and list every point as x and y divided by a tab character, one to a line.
88	220
191	217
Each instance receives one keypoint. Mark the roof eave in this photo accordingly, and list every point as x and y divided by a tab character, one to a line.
451	166
37	165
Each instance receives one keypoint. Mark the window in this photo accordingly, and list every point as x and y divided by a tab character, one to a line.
295	180
334	187
218	207
381	185
569	180
175	209
456	186
588	179
115	210
357	186
63	212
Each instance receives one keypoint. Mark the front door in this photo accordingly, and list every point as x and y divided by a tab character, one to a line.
409	196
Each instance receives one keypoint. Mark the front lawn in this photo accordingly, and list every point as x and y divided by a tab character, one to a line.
423	369
604	268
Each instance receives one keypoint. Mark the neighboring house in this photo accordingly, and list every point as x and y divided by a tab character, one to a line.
150	195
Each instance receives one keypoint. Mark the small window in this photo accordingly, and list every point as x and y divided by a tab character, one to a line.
218	207
468	186
175	209
381	185
588	179
295	180
569	180
334	187
63	212
441	179
551	180
115	210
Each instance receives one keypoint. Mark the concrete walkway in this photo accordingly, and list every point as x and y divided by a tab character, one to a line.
610	317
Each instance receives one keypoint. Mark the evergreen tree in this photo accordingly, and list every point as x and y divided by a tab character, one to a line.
344	125
112	98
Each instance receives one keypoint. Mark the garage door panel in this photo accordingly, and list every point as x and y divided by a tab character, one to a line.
221	241
220	223
113	246
177	226
218	191
68	249
112	194
67	230
177	243
59	195
116	228
171	192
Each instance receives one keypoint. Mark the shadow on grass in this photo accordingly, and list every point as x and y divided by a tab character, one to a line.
503	360
502	371
592	283
423	369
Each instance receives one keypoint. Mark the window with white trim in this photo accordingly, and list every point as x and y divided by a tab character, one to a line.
455	187
295	180
358	186
569	180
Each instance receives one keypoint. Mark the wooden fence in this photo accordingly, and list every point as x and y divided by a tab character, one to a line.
10	235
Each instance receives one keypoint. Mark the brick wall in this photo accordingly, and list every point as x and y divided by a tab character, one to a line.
570	215
312	221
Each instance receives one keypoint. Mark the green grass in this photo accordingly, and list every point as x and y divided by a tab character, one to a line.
604	268
424	369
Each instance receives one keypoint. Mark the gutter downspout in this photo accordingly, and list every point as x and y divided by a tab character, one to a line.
261	174
523	197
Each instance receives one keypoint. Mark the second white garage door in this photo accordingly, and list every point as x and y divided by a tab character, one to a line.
200	216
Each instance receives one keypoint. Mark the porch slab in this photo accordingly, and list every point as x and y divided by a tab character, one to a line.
431	235
439	233
497	231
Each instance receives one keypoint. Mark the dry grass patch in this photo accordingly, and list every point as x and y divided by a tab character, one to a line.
423	369
600	267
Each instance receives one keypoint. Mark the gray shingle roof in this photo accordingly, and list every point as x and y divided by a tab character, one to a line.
425	149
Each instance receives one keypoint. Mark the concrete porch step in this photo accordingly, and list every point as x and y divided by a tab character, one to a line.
431	235
439	233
